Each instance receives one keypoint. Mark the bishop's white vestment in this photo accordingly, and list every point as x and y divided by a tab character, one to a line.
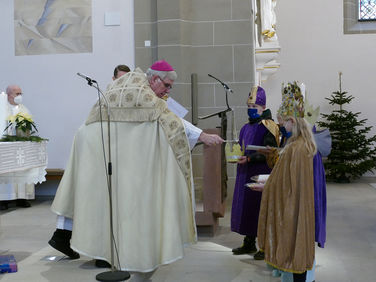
153	208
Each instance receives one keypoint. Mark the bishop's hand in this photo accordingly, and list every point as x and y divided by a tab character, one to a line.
210	139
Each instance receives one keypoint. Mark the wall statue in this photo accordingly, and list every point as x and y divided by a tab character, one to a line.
266	22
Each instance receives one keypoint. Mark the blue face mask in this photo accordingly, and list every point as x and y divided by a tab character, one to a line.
252	113
284	132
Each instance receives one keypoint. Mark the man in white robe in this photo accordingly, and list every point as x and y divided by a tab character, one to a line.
12	191
153	196
156	75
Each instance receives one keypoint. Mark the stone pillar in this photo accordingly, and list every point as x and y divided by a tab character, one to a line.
204	37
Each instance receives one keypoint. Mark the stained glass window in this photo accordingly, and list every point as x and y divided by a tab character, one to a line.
367	10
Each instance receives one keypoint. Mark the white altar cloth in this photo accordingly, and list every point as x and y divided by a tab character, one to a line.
23	162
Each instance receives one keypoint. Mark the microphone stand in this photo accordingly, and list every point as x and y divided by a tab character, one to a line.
225	86
223	116
113	274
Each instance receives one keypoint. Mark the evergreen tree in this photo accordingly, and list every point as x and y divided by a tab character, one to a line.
353	153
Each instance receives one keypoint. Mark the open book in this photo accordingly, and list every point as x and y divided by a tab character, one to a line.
255	147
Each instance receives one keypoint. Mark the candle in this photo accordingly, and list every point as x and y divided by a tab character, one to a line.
303	90
3	112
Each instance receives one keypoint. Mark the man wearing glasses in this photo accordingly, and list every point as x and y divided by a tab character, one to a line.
161	77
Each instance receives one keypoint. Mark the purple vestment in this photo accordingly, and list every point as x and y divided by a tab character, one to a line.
246	202
319	183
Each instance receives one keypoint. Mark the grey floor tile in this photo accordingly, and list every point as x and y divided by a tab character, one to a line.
349	254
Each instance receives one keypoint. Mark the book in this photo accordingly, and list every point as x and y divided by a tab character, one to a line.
260	178
176	108
256	147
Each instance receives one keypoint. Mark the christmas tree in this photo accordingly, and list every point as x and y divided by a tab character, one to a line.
353	152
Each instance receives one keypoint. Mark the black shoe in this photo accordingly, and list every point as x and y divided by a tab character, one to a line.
3	205
259	255
61	242
23	203
102	263
248	247
244	250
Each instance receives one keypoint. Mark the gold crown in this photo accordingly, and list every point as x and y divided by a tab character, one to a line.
233	152
292	101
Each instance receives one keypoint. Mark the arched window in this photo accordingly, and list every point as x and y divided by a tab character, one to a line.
367	10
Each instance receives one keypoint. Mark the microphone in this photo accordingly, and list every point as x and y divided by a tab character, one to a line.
225	86
89	80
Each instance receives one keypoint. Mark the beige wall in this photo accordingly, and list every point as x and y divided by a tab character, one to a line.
315	49
58	99
200	36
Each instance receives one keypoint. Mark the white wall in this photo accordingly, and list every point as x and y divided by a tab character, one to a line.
314	50
58	99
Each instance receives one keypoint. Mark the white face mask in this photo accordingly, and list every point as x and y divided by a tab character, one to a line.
18	99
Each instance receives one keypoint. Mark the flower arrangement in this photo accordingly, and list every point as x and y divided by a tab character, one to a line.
24	127
23	123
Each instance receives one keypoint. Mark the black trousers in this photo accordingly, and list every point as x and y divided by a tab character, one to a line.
301	277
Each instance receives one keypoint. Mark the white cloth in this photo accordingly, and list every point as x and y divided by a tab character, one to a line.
152	205
15	109
176	108
12	191
63	222
193	133
22	156
29	176
22	190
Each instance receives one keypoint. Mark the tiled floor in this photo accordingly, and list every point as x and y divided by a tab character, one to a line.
350	253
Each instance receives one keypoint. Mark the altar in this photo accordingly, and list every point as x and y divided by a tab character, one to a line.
23	162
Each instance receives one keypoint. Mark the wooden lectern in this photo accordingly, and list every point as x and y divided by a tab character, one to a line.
214	186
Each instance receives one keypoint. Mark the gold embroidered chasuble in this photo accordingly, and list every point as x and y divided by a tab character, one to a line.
152	180
286	228
132	100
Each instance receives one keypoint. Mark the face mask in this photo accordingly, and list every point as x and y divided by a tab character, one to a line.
252	113
18	99
284	132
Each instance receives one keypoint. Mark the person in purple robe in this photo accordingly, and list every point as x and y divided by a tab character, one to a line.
319	182
263	131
